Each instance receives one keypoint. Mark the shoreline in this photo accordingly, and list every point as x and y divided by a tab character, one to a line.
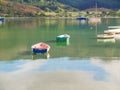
55	17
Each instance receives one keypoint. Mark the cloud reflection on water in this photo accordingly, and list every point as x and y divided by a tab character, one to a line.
60	74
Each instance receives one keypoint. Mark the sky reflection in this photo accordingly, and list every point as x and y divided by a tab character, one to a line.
60	74
59	64
54	64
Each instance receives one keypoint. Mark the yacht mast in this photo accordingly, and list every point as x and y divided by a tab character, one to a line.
96	8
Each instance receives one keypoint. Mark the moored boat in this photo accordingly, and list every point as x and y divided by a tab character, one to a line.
114	31
40	48
2	19
81	18
94	20
105	36
63	38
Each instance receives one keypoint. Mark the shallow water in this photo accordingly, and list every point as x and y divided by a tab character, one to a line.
84	62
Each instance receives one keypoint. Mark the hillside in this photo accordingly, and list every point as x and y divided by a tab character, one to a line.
80	4
86	4
32	7
52	7
8	8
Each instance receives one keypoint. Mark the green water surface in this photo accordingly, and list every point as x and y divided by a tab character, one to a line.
17	35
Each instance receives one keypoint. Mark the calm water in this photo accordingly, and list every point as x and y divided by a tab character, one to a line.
83	63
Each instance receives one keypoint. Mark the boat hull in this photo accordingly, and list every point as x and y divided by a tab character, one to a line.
105	36
42	51
64	39
82	18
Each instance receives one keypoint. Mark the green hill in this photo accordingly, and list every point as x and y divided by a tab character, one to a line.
8	8
32	7
52	7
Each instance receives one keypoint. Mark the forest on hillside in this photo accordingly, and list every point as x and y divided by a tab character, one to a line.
56	7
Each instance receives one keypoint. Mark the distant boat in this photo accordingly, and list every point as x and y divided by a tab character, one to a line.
94	19
40	48
81	18
114	31
63	38
105	36
2	19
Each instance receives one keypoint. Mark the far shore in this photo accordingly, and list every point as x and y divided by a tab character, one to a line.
56	17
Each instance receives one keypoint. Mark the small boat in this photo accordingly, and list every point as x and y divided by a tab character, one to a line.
40	48
81	18
2	19
114	31
105	36
94	20
63	38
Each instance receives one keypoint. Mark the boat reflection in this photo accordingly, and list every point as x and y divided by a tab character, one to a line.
114	27
40	56
1	23
82	22
117	36
112	40
66	43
